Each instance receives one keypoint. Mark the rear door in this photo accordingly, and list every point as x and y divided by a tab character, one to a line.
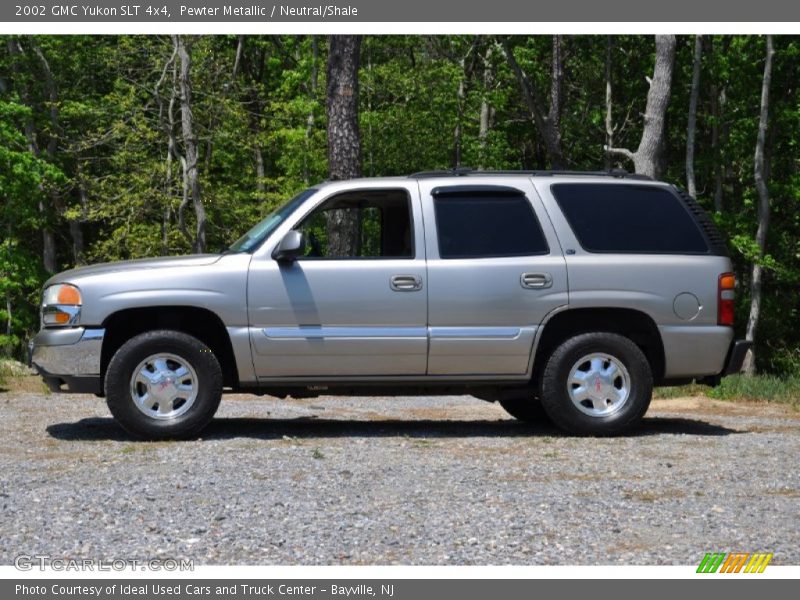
495	270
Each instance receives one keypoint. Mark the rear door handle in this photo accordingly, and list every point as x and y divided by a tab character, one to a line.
406	283
536	281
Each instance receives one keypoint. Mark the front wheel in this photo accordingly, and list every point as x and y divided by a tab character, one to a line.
596	384
163	384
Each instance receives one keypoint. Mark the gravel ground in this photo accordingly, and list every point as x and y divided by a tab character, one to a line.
397	481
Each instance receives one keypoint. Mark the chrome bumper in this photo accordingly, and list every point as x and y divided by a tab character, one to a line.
68	356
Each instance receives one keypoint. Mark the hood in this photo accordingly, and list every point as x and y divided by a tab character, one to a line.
192	260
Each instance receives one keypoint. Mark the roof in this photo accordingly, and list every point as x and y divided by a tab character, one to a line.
467	172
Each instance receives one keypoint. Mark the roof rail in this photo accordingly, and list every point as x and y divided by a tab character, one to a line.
467	171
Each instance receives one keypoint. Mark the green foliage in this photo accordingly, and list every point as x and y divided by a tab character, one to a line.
5	372
681	391
759	388
23	178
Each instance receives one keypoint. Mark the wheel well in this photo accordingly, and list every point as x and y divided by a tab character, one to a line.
633	324
201	323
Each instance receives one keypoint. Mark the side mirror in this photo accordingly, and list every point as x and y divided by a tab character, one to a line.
292	246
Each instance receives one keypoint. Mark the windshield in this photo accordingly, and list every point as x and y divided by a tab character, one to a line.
262	230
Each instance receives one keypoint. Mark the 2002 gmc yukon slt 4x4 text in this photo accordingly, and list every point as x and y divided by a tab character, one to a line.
566	295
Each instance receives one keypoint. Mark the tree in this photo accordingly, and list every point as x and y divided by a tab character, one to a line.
691	127
23	177
16	48
344	138
760	176
547	120
191	181
609	116
487	111
647	159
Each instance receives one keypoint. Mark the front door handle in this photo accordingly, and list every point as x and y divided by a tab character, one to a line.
536	281
406	283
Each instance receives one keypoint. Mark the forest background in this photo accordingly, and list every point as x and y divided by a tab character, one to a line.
118	147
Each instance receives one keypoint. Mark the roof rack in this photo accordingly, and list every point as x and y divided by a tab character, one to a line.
467	171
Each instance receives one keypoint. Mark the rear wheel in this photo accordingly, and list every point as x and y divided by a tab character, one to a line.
528	410
163	384
596	384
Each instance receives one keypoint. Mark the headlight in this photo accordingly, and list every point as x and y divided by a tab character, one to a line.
61	305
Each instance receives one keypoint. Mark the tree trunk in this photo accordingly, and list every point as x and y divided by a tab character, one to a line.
717	113
647	160
460	100
344	139
487	111
49	246
553	121
237	61
172	153
759	173
547	121
261	188
250	62
191	179
691	127
312	96
719	134
166	119
609	103
9	316
76	224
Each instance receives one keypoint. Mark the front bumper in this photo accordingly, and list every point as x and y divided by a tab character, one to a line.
70	357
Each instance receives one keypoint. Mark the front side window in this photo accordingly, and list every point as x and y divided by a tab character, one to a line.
360	224
624	218
486	224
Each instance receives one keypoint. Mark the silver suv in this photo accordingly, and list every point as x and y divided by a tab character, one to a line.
564	295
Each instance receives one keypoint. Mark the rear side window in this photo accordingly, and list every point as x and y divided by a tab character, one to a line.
486	224
629	219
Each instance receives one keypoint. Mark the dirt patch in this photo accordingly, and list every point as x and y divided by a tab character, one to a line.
701	404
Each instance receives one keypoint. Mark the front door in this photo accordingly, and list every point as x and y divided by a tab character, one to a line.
355	304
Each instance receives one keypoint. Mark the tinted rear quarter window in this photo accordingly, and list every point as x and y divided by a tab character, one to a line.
486	225
629	219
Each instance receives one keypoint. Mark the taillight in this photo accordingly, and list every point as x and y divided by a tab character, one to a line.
725	299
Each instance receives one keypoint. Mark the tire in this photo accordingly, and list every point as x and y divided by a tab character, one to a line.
528	410
163	385
584	395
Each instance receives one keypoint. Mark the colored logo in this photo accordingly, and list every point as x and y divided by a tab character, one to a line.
734	562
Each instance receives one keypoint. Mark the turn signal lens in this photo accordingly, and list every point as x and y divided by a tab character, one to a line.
725	299
60	318
727	281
